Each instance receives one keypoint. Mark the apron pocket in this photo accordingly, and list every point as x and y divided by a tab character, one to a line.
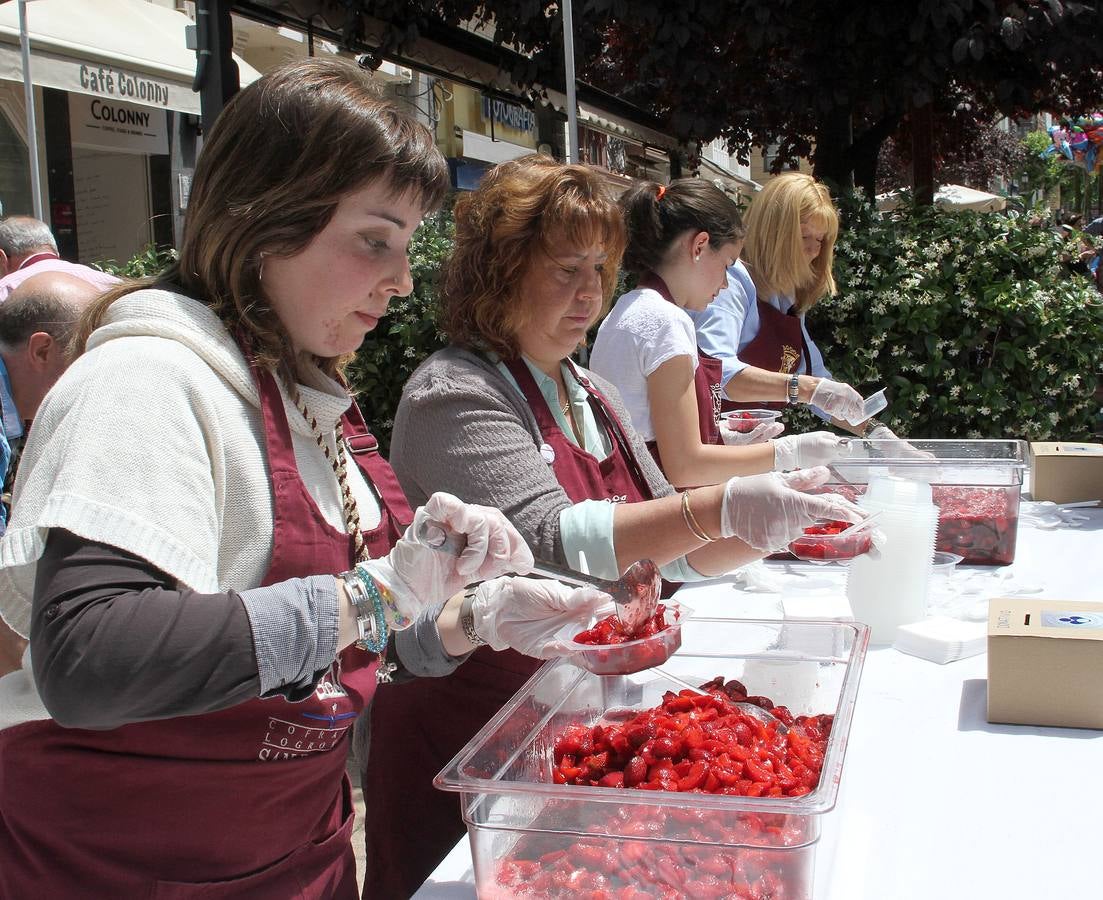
321	870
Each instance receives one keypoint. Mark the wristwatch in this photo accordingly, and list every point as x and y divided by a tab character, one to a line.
870	425
467	618
794	388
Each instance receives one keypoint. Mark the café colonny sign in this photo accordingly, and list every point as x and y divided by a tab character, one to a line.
114	125
118	83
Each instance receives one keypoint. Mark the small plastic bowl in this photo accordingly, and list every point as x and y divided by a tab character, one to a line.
826	548
635	656
744	421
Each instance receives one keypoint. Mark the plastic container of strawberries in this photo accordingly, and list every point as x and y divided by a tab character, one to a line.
532	837
744	421
634	656
974	483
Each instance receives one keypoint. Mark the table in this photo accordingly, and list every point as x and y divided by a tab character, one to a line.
934	801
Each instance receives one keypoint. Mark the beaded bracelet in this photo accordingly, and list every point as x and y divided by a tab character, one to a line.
371	624
691	521
397	619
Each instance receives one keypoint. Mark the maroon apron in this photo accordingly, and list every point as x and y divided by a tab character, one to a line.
246	802
778	347
707	382
417	727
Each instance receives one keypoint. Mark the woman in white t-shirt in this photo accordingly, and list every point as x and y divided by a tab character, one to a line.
681	240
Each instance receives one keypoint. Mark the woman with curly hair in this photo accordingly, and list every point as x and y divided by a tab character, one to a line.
504	417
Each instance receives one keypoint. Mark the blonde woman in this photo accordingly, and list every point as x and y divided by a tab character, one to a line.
756	325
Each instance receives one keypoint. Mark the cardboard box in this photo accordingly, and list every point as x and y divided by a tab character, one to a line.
1065	472
1045	662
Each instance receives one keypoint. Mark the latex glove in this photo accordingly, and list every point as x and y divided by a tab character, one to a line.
757	435
840	401
769	511
803	451
528	613
900	450
419	577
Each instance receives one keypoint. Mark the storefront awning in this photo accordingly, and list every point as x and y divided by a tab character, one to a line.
730	180
609	123
120	49
486	149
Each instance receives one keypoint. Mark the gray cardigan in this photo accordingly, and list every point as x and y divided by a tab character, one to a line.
461	427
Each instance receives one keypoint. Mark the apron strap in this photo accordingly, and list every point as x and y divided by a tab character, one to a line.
363	447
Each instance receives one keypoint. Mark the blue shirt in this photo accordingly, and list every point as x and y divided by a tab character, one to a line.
11	430
728	325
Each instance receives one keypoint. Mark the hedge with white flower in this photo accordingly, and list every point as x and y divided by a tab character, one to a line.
975	322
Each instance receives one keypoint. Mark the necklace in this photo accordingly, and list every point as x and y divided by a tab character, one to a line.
340	469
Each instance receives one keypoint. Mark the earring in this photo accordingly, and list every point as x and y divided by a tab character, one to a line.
697	258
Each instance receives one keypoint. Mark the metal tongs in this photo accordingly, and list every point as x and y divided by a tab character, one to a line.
635	594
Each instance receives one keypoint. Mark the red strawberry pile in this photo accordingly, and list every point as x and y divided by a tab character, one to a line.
689	743
620	651
978	523
821	544
611	630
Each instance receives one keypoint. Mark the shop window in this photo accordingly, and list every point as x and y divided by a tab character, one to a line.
15	171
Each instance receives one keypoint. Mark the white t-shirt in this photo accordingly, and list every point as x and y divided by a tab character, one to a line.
642	331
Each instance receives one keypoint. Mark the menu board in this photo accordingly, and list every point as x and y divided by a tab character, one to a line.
112	204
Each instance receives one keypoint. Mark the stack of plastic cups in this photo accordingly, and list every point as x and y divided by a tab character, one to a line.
889	588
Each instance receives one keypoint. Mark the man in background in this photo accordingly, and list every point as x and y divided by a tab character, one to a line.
35	326
27	247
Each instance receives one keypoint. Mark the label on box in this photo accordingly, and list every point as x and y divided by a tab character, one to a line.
1093	449
1079	620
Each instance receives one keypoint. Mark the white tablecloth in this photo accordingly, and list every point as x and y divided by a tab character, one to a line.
934	801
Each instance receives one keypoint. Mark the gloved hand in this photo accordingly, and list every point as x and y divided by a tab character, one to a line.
418	576
802	451
757	435
769	511
900	450
840	401
526	614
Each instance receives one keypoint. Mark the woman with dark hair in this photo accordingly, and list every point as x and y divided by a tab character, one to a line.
504	417
682	238
208	553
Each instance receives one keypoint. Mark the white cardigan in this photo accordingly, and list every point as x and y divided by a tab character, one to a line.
152	442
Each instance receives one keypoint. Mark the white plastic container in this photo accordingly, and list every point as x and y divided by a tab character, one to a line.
889	587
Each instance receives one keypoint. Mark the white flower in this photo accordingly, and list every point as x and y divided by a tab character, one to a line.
984	411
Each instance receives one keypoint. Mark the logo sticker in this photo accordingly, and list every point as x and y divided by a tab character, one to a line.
1061	619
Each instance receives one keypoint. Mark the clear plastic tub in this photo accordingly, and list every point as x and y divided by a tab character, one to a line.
744	421
975	484
531	837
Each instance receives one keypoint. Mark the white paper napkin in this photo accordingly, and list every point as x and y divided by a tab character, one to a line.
942	639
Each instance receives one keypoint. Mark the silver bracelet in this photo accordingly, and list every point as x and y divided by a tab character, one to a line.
467	618
367	620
